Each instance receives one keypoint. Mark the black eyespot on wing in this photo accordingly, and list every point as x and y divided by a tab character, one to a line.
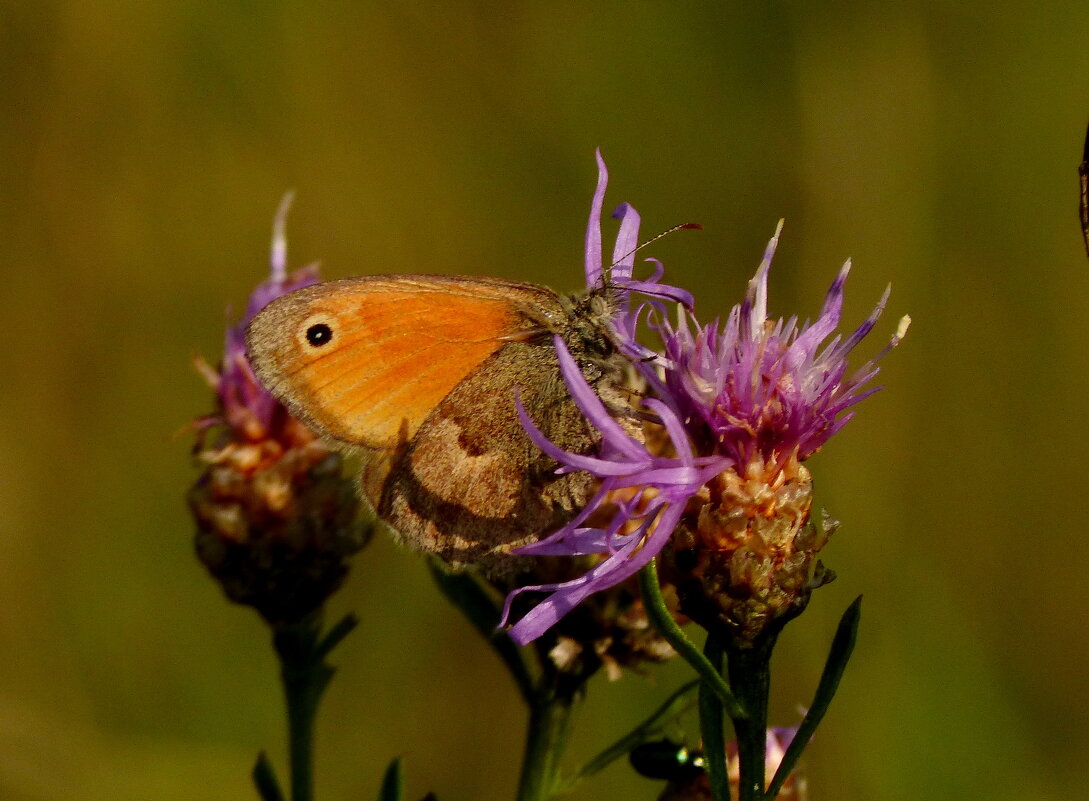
319	334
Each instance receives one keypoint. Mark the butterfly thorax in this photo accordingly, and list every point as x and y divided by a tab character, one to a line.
588	332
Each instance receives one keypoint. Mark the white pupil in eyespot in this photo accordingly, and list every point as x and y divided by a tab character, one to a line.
319	334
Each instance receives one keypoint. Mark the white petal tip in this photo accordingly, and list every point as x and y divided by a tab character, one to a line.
279	237
902	328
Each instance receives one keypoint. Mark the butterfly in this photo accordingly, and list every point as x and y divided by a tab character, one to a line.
420	373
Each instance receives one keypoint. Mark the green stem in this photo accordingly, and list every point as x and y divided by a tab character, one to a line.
546	737
749	670
711	727
663	621
304	675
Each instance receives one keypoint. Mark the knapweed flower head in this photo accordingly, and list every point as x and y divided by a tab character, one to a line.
736	408
245	407
766	391
276	519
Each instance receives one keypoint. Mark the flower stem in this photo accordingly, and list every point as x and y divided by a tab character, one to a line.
305	675
546	738
711	727
749	670
663	621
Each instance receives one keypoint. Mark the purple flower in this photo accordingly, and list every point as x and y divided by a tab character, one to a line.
762	391
639	527
618	279
276	517
246	406
751	396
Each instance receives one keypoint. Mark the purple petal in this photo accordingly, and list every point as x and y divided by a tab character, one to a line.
580	542
278	258
676	294
590	404
622	565
758	288
593	229
592	464
673	426
627	241
826	323
866	327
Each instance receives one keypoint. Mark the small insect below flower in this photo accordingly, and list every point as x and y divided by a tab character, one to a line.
685	770
666	759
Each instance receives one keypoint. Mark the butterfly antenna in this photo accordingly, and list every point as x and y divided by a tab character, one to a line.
1083	174
653	239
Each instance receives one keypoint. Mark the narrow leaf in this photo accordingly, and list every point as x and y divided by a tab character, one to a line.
843	644
483	612
264	779
393	783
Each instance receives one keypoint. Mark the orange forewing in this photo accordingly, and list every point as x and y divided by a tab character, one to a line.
397	346
423	371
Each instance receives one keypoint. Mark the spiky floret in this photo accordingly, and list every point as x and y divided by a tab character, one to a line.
734	409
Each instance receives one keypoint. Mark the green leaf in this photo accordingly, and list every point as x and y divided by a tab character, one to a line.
481	609
264	779
393	783
838	655
653	726
335	634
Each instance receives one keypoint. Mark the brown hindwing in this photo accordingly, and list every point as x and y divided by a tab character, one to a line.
471	483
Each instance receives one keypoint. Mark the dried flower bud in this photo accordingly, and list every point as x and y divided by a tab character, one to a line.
745	559
277	533
276	518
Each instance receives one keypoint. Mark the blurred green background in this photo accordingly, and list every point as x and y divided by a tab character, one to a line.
143	150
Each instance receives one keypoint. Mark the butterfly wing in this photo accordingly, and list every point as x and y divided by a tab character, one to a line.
423	372
471	484
365	360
